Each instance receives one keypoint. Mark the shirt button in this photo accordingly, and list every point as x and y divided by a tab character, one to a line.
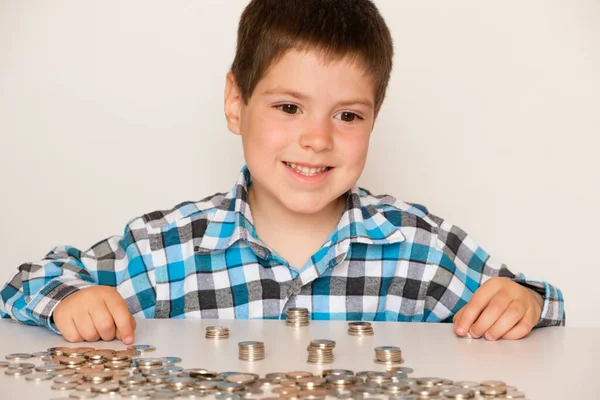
297	290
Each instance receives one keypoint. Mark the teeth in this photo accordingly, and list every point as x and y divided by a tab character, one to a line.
305	170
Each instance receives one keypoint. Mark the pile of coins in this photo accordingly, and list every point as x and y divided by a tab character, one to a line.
217	332
388	355
360	328
320	351
251	351
297	317
159	378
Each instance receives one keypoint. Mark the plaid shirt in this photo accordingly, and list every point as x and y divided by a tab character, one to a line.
386	261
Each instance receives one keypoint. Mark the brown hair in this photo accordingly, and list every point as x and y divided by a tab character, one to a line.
334	28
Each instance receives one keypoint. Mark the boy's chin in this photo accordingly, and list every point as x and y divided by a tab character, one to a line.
307	207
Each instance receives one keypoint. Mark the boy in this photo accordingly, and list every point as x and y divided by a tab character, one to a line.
307	83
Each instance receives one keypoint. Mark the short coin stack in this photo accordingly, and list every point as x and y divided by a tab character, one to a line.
217	332
388	355
297	317
320	351
360	328
251	351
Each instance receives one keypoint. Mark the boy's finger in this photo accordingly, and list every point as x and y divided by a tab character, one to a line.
473	309
86	327
492	312
103	321
122	317
69	331
520	330
456	319
513	314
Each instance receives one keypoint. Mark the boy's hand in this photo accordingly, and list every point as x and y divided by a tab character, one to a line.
500	308
95	313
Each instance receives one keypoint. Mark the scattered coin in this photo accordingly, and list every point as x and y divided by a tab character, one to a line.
86	373
144	348
18	356
38	377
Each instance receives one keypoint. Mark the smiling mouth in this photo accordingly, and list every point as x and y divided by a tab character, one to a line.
306	171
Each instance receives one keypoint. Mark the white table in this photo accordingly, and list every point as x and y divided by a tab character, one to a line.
551	363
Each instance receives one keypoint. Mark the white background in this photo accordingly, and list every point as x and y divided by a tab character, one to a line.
112	109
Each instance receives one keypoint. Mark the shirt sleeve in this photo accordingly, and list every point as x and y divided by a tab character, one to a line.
35	289
471	266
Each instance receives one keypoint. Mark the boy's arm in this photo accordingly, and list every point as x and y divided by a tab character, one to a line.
473	266
35	289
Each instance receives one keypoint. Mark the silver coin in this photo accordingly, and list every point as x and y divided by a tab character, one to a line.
18	356
38	377
63	386
18	372
82	395
142	347
137	394
4	364
21	366
171	360
40	354
107	387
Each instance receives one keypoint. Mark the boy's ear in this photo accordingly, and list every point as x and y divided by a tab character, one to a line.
233	104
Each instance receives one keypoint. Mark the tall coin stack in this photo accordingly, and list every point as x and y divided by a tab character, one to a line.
388	355
320	351
251	351
217	332
360	329
297	317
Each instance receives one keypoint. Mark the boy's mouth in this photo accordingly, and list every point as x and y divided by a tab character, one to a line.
306	171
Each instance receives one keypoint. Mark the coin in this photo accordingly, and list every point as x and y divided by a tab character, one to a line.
82	395
18	356
18	372
320	351
297	317
360	328
251	350
243	379
217	332
171	360
38	377
21	366
63	386
388	355
144	348
107	387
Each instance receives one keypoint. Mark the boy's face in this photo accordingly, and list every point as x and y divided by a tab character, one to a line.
305	130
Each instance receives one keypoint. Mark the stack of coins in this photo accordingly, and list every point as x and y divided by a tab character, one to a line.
251	351
217	332
360	329
388	355
320	351
297	317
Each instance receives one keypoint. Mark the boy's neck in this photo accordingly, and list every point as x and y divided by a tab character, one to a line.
271	217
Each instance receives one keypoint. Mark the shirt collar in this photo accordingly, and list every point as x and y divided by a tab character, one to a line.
361	221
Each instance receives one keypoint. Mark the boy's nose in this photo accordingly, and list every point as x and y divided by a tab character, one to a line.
317	136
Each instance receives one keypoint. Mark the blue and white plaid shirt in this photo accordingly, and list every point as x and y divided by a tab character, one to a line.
386	261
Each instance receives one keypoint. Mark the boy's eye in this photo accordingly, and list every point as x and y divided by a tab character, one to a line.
348	116
288	108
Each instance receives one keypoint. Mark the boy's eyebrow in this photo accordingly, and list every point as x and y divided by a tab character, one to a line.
302	96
